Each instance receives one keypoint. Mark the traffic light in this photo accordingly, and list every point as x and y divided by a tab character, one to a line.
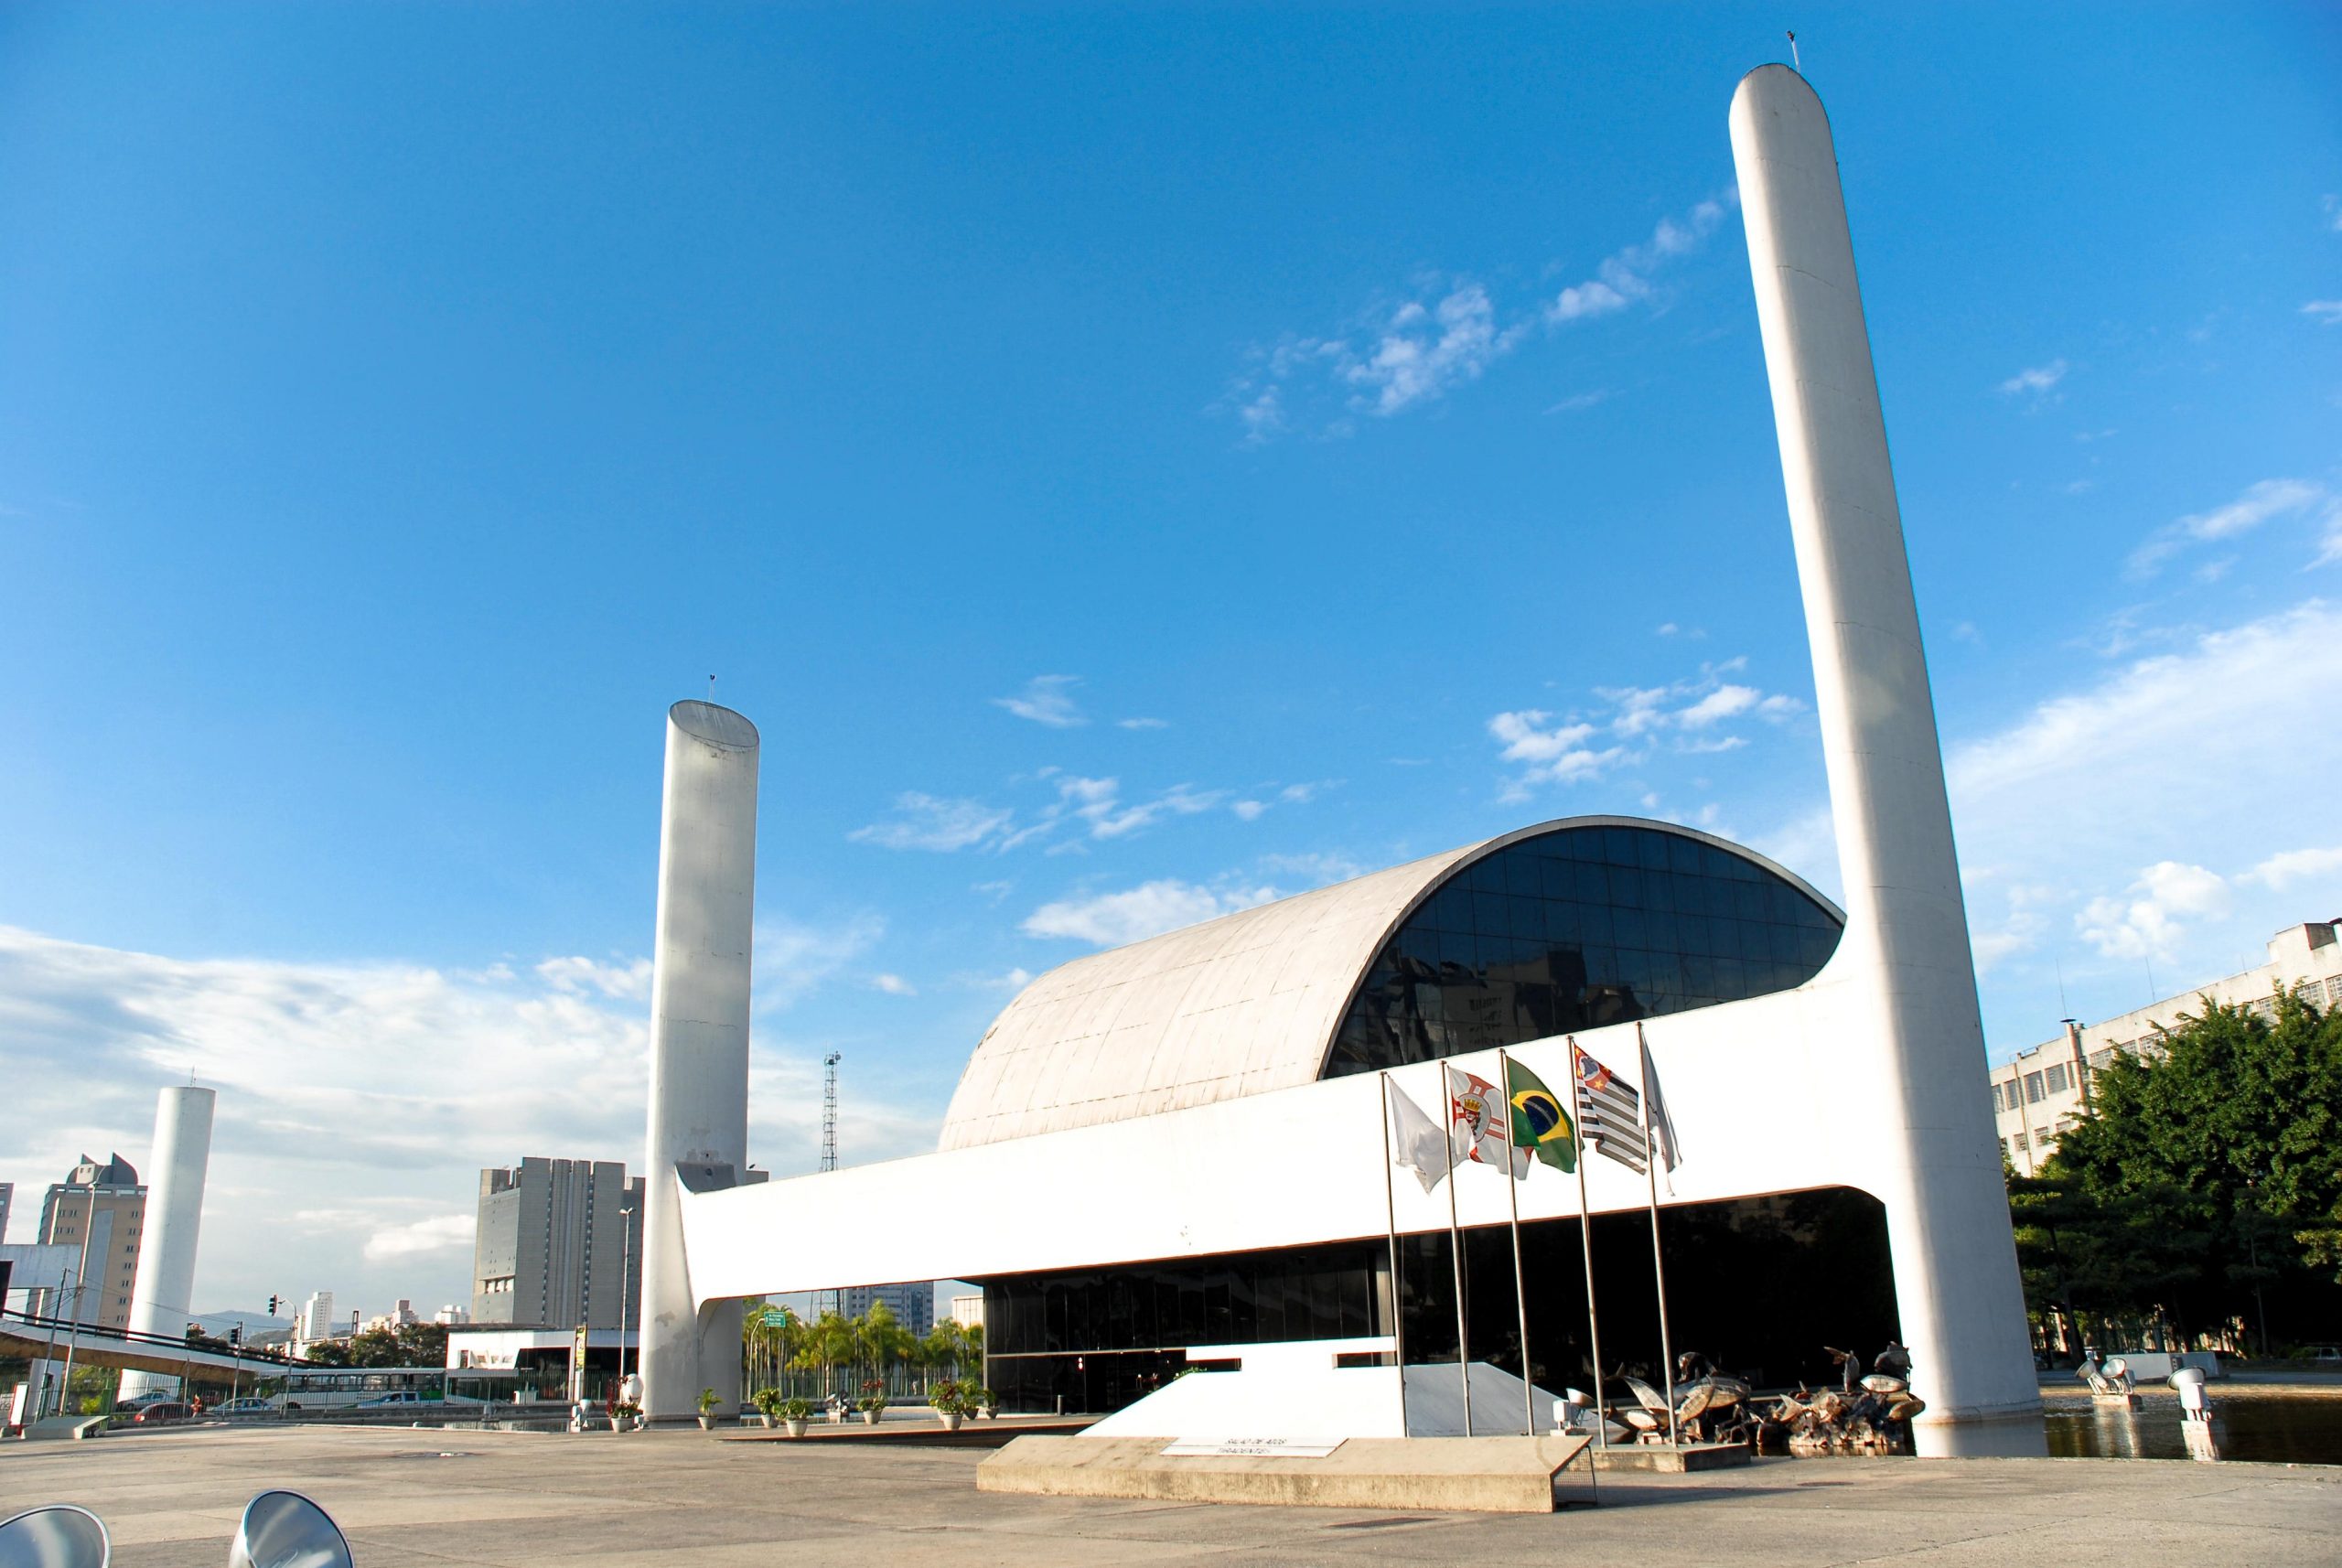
235	1334
272	1306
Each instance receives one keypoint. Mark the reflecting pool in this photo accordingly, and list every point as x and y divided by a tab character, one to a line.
2275	1428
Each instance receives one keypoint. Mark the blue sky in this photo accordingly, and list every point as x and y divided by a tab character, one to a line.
1128	461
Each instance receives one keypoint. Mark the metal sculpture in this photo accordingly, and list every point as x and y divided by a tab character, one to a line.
1867	1414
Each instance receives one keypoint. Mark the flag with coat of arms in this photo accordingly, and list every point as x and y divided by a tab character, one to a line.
1482	1123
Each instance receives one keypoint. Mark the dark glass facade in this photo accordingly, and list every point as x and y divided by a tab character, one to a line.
1574	928
1760	1284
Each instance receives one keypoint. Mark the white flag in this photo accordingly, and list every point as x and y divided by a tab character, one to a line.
1663	1146
1416	1143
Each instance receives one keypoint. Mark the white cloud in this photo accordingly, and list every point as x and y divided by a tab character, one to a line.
893	985
440	1234
2292	868
1445	335
1046	699
1723	703
1686	716
794	958
1624	278
2036	380
2324	311
1117	919
1422	354
630	979
929	822
2256	505
1249	811
1143	724
1581	400
2149	922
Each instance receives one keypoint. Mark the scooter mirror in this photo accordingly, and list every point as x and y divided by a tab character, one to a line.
285	1529
58	1536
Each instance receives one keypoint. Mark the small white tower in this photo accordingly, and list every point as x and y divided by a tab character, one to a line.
162	1293
699	1044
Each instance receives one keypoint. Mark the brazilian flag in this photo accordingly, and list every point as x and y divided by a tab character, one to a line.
1539	1123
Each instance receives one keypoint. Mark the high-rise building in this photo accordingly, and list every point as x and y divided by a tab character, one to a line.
100	1209
7	1196
451	1315
315	1321
558	1242
913	1304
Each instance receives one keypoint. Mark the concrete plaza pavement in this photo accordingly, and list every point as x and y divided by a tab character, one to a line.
408	1497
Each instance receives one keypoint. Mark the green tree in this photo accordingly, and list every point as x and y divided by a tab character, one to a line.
2196	1186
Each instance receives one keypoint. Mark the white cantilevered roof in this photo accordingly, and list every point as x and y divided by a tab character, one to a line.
1237	1005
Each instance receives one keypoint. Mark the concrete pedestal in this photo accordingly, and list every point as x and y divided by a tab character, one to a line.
1474	1474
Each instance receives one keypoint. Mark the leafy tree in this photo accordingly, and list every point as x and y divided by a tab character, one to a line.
2197	1186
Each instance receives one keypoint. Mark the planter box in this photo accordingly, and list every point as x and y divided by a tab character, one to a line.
796	1428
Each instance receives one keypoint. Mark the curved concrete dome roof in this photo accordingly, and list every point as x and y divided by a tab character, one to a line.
1241	1004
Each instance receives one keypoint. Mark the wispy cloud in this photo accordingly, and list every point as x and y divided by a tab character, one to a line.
440	1234
2293	868
1628	722
1143	724
2035	381
1116	920
893	985
2324	311
1079	807
1445	334
933	822
2258	504
1046	699
2149	920
1581	402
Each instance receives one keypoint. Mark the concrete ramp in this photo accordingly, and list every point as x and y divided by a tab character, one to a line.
1473	1475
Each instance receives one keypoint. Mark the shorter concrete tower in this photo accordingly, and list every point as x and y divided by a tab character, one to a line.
698	1135
162	1295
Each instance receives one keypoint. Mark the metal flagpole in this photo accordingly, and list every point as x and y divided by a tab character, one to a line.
1390	1218
1513	1198
1658	1261
1585	1240
1456	1249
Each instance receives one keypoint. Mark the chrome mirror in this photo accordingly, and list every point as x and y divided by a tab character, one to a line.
285	1529
58	1536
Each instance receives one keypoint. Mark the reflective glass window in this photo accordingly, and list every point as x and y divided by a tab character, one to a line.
1575	928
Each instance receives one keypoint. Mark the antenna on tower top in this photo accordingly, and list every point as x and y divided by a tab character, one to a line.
1795	64
711	688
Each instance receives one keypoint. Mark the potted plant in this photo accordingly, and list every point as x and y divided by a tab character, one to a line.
622	1416
768	1402
873	1403
794	1414
950	1402
986	1403
708	1403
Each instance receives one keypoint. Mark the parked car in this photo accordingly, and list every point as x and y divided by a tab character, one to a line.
251	1404
399	1397
2322	1357
161	1411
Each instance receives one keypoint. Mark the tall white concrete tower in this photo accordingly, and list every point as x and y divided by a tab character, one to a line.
699	1044
162	1293
1904	965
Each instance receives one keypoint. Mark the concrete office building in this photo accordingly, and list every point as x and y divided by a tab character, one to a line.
100	1209
2040	1092
316	1319
968	1311
912	1302
1182	1142
559	1243
161	1298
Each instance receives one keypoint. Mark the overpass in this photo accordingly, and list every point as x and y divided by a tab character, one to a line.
33	1337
